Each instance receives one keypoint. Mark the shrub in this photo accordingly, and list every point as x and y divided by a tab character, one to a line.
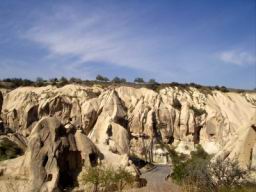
123	80
179	172
75	80
199	153
198	174
27	82
139	80
122	178
222	88
192	172
107	178
195	85
226	173
53	81
63	81
19	82
39	81
101	78
118	80
152	81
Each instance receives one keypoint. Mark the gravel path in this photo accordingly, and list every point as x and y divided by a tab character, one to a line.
156	181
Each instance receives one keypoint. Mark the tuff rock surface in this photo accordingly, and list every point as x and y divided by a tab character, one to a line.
64	129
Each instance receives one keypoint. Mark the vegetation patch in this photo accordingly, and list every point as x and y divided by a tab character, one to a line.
104	179
104	81
222	89
199	174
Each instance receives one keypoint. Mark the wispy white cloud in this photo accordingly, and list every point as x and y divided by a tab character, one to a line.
237	57
94	37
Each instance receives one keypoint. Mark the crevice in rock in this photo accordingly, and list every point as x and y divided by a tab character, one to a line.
156	131
196	135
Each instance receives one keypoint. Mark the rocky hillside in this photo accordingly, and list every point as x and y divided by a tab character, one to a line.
85	125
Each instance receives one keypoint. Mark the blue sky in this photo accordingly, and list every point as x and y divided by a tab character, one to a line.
202	41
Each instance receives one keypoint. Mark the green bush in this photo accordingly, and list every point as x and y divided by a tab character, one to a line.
139	80
222	89
101	78
75	80
107	178
152	81
118	80
16	82
226	173
200	153
199	174
193	169
39	81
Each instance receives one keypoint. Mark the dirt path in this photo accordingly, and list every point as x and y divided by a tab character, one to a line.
156	181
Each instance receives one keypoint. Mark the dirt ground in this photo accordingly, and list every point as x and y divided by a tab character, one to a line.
156	181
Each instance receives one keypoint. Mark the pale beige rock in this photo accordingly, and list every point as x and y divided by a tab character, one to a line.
124	121
55	155
242	147
120	137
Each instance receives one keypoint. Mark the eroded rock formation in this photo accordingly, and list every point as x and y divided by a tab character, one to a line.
55	156
74	122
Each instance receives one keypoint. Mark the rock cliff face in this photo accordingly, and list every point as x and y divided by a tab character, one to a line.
118	122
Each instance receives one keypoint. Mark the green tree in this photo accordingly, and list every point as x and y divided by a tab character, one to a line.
122	178
27	82
93	175
53	81
101	78
107	178
118	80
39	81
75	80
63	81
139	80
152	81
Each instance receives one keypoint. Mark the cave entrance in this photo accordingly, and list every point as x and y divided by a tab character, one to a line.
70	165
93	159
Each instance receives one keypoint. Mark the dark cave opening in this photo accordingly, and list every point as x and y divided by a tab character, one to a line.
45	159
93	159
70	165
32	115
